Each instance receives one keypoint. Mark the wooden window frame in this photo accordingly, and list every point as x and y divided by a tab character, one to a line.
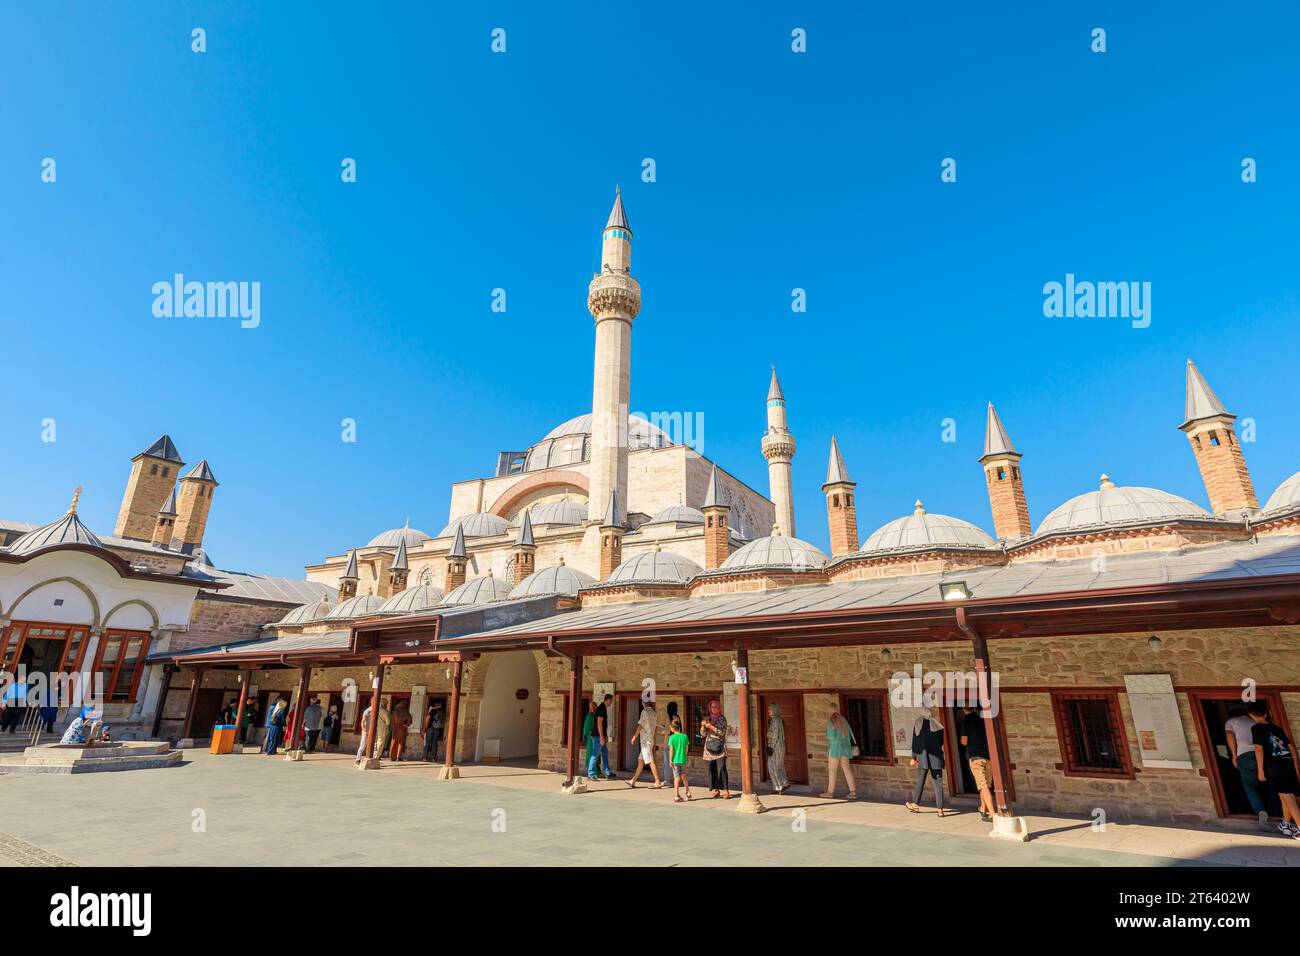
110	680
883	697
1070	766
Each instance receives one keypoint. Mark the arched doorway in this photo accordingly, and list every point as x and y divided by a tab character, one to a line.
510	712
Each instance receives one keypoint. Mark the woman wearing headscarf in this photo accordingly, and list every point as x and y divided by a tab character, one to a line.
776	750
927	758
839	753
713	728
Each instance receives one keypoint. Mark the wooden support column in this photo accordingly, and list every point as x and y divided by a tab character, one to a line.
574	717
304	681
195	683
245	676
369	761
168	671
749	802
449	769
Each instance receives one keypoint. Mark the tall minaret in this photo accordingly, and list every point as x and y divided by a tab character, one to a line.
614	299
778	449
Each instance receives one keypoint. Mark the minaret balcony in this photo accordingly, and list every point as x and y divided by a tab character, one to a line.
614	293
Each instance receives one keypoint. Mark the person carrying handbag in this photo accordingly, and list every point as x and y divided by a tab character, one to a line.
713	728
841	748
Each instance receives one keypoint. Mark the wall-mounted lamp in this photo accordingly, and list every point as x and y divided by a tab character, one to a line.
886	655
1154	643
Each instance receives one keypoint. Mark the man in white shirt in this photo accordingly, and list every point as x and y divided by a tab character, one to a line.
645	731
1239	729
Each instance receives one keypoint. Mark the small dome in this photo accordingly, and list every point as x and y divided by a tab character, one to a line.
363	605
1287	495
681	514
413	600
922	530
564	511
480	590
1118	506
776	551
481	524
67	530
654	567
569	443
306	613
394	536
559	579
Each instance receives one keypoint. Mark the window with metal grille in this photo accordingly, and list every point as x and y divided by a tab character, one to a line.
867	713
1091	733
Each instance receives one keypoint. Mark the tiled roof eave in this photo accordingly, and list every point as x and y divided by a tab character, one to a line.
1119	528
915	551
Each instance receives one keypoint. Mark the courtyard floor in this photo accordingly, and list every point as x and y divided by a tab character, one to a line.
250	810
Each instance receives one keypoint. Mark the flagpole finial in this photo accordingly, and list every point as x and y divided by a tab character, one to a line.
76	495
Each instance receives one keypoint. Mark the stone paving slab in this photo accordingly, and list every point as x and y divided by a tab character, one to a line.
257	810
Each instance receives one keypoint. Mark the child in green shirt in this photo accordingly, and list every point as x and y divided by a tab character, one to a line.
677	744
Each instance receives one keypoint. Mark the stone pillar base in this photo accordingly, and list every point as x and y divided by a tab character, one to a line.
370	763
579	785
448	773
293	755
1010	828
749	803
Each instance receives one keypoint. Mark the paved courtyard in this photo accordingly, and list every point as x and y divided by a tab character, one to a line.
254	810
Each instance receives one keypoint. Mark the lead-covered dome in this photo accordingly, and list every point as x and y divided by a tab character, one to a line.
391	538
363	605
570	442
1109	506
654	567
305	614
413	600
564	511
481	524
480	590
776	551
560	579
922	531
1286	497
679	514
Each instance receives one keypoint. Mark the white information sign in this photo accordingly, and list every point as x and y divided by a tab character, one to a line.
1161	739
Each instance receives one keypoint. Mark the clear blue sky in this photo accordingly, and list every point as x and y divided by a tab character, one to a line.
775	171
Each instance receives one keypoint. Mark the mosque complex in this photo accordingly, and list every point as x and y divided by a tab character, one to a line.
610	558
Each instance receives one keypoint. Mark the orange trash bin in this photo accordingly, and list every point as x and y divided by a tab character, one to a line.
223	738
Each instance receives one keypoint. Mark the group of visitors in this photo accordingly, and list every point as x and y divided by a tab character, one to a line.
393	728
17	699
1261	752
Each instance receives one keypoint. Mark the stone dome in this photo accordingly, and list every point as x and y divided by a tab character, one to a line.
776	551
481	524
681	514
560	579
1110	506
480	590
654	567
363	605
570	442
395	536
564	511
1286	497
413	600
305	613
924	531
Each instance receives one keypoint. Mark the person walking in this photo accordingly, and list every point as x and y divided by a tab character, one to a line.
311	723
1240	731
331	728
249	728
976	741
401	724
713	728
381	727
775	750
678	743
275	726
606	733
927	758
670	713
645	730
385	735
840	747
590	727
1276	766
432	731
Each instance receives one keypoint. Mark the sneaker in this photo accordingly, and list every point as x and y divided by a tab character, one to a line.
1286	828
985	817
1263	819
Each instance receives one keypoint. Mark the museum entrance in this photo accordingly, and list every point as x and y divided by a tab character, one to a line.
1212	711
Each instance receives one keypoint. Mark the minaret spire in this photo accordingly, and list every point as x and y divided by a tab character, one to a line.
1211	430
614	299
1006	486
778	448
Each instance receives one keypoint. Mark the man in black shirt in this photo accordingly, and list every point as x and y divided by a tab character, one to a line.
976	742
604	733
